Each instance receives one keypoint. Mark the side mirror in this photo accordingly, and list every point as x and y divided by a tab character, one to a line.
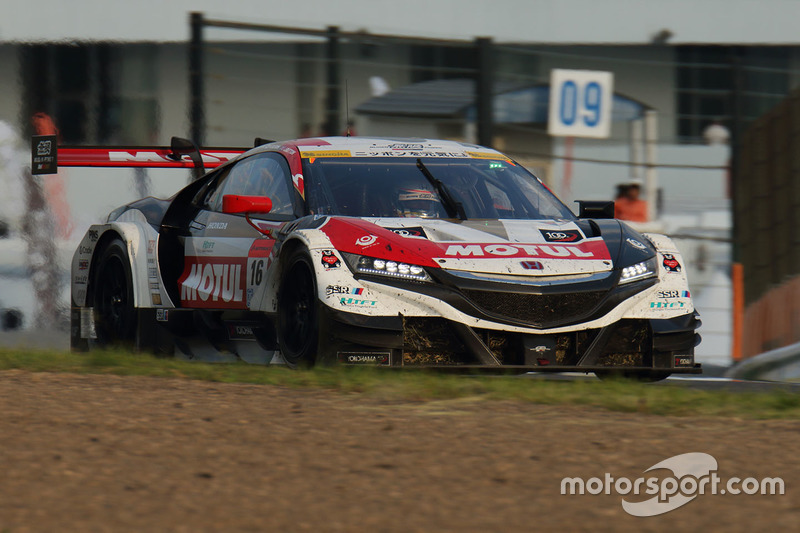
595	209
235	204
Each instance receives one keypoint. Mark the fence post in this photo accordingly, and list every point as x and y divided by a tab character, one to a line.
333	66
483	90
196	111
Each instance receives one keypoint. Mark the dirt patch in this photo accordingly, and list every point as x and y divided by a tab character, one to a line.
110	453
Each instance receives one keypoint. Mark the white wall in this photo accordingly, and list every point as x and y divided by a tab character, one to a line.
555	21
9	84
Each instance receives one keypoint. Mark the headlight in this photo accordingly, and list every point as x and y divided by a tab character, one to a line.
639	271
393	269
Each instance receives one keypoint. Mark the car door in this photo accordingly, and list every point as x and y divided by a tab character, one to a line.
225	255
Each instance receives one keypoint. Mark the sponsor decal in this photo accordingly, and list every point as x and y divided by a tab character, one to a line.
336	289
261	248
151	246
324	153
673	294
162	315
636	244
684	361
406	146
570	235
208	245
564	251
532	265
340	289
364	358
83	264
366	240
152	273
415	231
217	225
81	280
84	249
430	152
329	260
155	157
670	263
213	284
487	155
44	156
299	184
356	302
44	147
240	332
667	305
154	286
93	235
155	298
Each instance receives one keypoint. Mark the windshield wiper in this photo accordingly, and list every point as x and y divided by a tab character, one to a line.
454	209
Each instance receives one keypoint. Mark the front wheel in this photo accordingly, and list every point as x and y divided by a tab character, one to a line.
298	311
112	297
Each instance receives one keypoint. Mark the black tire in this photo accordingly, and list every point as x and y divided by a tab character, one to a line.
298	311
112	298
645	376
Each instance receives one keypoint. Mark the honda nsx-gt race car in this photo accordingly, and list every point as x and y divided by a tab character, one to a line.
389	252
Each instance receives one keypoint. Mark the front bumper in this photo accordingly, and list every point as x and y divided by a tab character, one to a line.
631	345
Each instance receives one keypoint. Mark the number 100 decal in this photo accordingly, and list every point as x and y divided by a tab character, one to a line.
580	103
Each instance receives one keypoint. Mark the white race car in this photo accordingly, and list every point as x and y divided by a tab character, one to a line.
406	252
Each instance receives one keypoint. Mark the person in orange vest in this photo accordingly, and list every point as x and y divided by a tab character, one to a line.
628	205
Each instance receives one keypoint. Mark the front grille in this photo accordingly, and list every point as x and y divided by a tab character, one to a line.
536	309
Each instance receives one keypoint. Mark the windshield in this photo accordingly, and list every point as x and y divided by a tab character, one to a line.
397	187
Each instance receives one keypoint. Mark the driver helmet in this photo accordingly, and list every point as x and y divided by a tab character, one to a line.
420	203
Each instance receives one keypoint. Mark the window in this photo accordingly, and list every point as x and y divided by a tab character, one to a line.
264	174
707	80
396	187
95	93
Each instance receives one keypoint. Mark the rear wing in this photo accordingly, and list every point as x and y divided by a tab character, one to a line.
47	156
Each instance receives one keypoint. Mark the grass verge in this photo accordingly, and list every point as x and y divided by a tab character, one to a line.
625	396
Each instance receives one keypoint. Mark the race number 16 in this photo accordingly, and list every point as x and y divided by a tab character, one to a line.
580	103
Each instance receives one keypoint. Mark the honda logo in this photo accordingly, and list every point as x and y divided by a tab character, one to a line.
532	265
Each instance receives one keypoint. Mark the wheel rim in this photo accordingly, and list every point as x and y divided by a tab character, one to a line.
298	309
113	300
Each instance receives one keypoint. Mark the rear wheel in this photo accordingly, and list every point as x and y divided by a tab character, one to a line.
112	297
298	311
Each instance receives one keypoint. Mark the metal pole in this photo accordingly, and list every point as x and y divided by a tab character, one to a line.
332	125
196	111
483	90
650	173
635	148
737	129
